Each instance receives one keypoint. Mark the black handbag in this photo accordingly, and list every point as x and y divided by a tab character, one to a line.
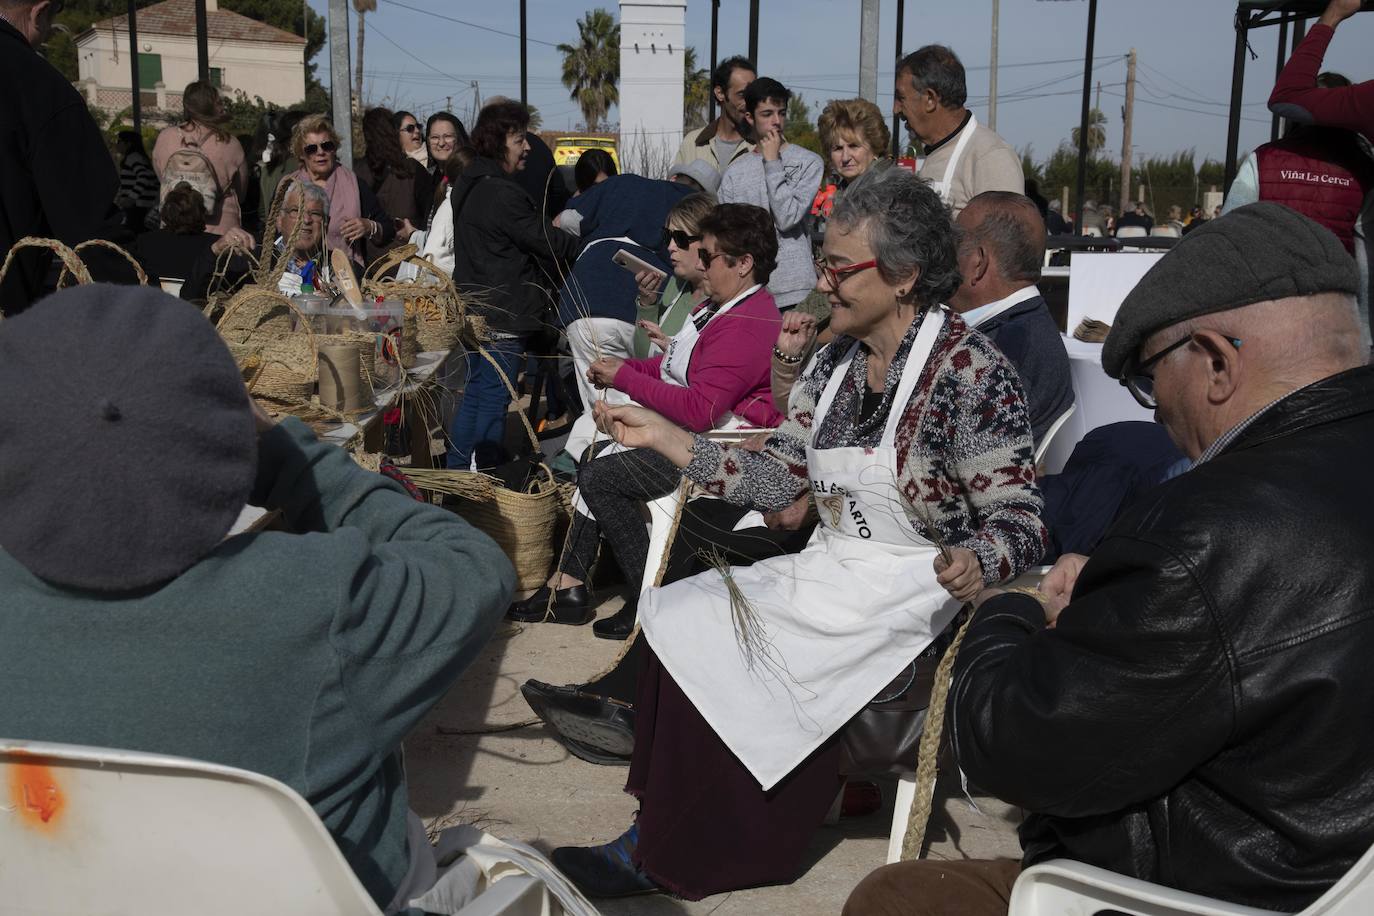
884	737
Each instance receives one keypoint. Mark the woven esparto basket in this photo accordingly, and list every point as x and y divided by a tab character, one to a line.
276	362
71	261
439	311
525	525
102	243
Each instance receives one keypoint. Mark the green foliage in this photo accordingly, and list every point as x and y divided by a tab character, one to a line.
1175	180
536	119
696	92
1097	132
591	68
798	128
285	15
1033	171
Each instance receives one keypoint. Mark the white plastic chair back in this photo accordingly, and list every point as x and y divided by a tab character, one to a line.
1165	231
1130	232
1092	232
1065	886
1043	448
129	832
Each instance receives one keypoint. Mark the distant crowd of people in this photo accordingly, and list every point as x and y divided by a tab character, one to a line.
853	366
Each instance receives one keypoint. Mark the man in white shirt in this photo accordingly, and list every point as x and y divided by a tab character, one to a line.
962	158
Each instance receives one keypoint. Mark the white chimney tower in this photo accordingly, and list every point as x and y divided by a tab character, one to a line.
653	36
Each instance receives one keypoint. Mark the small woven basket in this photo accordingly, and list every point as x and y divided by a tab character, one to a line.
436	311
71	261
276	362
102	243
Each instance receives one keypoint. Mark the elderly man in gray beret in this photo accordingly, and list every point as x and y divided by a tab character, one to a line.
1189	706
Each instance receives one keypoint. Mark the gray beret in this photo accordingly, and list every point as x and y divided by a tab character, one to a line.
127	444
1256	253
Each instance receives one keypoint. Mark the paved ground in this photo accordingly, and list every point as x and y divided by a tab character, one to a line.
521	784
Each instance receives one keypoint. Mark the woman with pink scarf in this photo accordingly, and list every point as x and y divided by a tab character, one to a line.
354	214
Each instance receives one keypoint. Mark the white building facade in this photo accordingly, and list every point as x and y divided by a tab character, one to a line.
653	40
246	56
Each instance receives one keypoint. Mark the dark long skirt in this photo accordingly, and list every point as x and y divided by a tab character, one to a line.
705	826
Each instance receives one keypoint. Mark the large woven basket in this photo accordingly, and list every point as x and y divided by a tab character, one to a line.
440	313
525	524
276	362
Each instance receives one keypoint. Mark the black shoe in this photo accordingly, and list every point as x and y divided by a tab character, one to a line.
586	714
619	625
572	606
605	871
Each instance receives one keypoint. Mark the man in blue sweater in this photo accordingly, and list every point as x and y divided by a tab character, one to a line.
129	619
1001	250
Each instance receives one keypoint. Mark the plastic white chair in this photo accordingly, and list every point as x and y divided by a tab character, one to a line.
1043	448
98	832
1130	232
1092	232
1166	231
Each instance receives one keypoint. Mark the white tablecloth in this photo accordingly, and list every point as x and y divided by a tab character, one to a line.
1098	401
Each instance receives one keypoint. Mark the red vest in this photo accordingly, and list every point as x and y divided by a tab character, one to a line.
1322	174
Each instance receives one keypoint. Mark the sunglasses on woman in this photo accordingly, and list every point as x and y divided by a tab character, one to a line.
328	146
682	240
410	128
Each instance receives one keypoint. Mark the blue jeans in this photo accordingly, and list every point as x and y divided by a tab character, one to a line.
480	421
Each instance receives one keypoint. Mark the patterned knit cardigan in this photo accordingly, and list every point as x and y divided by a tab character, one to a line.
964	447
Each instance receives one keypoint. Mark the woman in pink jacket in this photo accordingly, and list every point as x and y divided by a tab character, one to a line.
208	158
714	374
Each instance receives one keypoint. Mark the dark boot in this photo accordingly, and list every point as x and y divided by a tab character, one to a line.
619	625
570	605
592	727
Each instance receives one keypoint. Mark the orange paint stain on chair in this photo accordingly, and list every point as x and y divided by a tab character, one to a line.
35	795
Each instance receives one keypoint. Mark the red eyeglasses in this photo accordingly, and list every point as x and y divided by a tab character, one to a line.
834	276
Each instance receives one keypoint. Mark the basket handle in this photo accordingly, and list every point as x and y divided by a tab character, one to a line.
389	259
255	292
103	243
71	261
524	420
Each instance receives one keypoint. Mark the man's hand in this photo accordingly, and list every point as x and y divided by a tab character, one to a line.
770	144
602	372
798	330
1059	581
962	576
233	238
356	228
655	335
1338	11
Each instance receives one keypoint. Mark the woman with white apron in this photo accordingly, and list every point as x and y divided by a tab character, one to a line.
911	432
714	374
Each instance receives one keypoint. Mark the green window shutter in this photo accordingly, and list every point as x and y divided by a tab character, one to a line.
149	70
217	77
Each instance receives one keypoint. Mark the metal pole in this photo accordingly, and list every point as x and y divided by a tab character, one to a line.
133	68
868	50
202	41
992	73
524	58
711	92
1237	88
896	119
1279	60
1299	33
339	82
754	32
1083	126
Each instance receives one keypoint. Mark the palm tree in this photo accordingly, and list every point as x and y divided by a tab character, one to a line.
591	68
1097	131
362	8
696	91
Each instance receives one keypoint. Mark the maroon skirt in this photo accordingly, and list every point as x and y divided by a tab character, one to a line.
705	825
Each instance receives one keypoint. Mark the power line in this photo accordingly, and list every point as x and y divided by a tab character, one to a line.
1210	114
473	25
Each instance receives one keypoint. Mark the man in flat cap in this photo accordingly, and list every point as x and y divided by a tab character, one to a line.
1196	715
129	620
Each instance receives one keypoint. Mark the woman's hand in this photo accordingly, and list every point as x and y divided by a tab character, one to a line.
649	282
357	228
234	238
655	335
405	228
630	425
798	330
962	576
1337	11
602	372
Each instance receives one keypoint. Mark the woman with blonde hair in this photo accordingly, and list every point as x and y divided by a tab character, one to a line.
354	213
854	137
204	155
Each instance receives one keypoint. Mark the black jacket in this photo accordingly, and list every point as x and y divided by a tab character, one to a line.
505	253
57	178
1199	718
1028	336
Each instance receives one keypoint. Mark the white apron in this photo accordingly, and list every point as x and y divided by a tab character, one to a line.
840	620
945	185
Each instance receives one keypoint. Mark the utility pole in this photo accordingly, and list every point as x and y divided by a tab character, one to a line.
202	42
524	58
339	83
754	31
133	68
1083	126
868	50
992	73
896	119
711	92
1127	117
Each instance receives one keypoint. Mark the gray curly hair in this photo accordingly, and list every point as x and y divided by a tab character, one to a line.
909	230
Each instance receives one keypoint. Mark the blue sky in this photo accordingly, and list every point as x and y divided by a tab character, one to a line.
415	59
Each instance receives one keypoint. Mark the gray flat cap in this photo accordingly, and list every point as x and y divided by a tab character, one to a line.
700	171
1253	254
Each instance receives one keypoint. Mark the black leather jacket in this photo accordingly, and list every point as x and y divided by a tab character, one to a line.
1200	716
